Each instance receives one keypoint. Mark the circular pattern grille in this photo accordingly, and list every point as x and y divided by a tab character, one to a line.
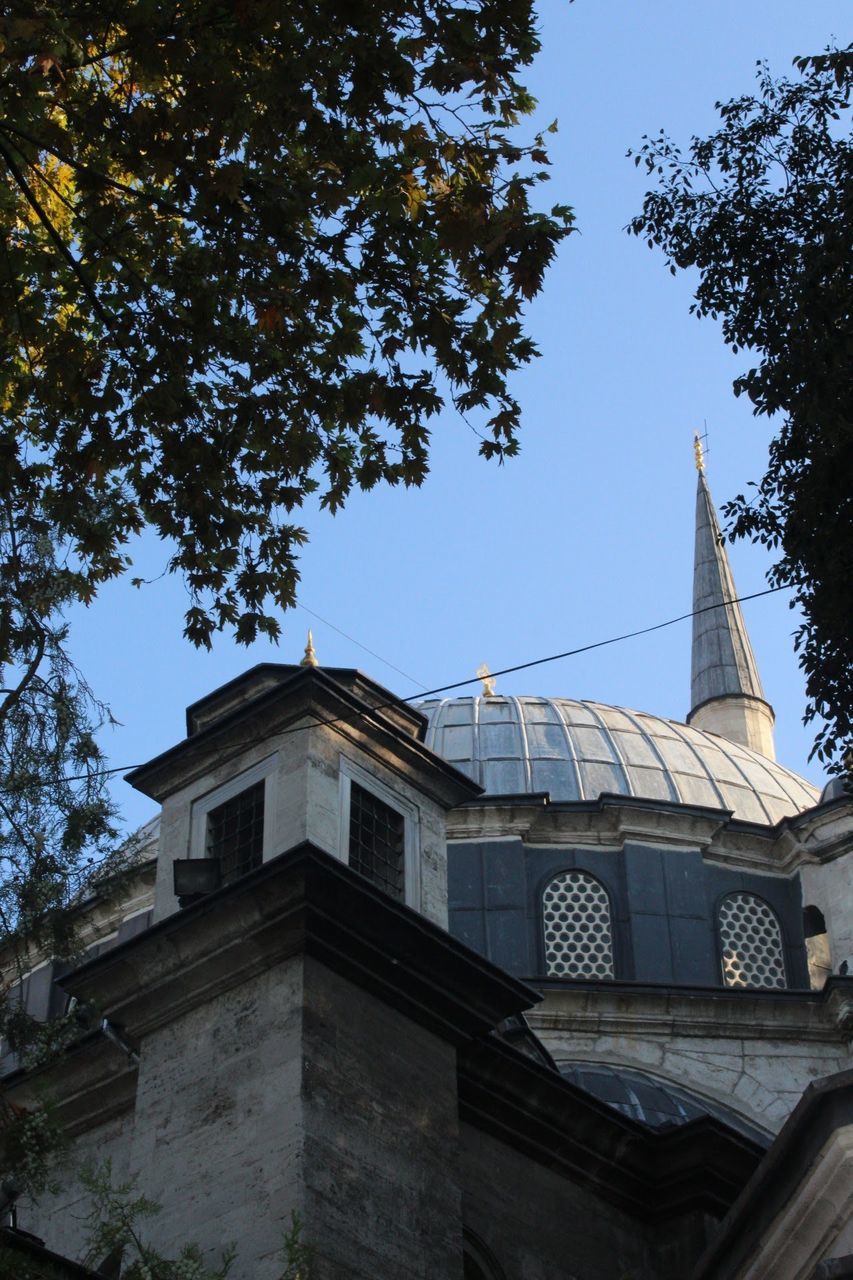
751	942
578	938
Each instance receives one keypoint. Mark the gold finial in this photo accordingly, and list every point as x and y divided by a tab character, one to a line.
697	451
310	659
484	674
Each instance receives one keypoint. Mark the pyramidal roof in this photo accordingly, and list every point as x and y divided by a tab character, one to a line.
723	662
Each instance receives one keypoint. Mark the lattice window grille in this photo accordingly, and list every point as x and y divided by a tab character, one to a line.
578	933
377	841
235	833
751	943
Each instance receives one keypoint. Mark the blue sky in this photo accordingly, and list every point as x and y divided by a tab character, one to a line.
589	532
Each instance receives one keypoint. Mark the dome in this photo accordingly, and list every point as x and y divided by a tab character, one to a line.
578	750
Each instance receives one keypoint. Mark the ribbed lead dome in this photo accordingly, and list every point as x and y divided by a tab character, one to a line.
578	750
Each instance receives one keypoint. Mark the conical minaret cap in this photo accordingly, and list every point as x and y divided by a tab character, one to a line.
726	691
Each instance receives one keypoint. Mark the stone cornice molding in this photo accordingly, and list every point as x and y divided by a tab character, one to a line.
26	1256
652	1174
303	902
610	820
799	1199
816	836
819	835
309	700
645	1010
92	1084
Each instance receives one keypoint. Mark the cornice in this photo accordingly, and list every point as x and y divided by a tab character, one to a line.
310	701
27	1257
91	1084
820	835
652	1174
303	902
610	820
788	1203
645	1010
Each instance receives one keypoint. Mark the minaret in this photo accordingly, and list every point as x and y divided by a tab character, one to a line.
726	693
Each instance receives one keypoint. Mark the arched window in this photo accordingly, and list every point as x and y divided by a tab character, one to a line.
576	919
750	943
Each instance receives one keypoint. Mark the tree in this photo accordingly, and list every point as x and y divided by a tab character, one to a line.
56	819
249	250
763	210
57	829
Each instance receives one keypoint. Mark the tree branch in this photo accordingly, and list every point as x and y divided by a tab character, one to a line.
60	244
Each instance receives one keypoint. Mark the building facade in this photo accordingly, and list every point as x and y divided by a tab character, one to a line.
490	987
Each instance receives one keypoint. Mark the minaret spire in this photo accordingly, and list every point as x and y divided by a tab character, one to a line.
726	693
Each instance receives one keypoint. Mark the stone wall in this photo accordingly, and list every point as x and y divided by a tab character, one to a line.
59	1217
761	1079
296	1091
540	1227
382	1195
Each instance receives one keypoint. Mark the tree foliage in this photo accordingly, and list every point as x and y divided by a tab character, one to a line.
56	820
247	251
116	1234
763	210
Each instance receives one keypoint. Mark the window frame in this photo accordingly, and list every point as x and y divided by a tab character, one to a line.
350	772
201	808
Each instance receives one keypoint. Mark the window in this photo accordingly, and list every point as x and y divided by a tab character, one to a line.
377	841
750	943
229	823
578	934
235	833
379	834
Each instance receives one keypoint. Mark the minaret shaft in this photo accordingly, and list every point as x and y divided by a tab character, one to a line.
726	692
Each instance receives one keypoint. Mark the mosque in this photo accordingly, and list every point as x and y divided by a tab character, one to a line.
486	988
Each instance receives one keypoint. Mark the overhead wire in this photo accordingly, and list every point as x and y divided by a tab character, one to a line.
460	684
353	640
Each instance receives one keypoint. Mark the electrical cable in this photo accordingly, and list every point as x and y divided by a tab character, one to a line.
598	644
460	684
352	640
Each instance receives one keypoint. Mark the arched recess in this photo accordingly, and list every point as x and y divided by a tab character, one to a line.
752	952
818	950
478	1261
577	927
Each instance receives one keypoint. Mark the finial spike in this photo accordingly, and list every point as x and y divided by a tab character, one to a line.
697	453
310	659
484	674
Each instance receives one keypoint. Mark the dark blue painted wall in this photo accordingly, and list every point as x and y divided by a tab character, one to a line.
664	905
